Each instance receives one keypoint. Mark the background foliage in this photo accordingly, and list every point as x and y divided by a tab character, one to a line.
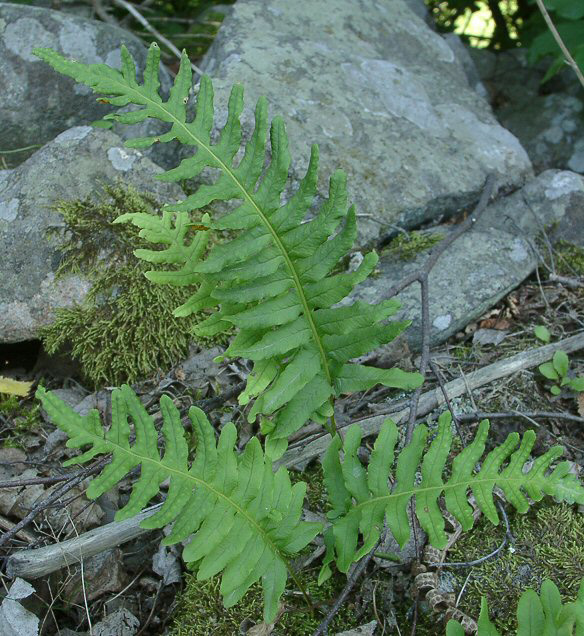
507	24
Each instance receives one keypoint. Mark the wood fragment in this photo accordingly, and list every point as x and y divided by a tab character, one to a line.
32	564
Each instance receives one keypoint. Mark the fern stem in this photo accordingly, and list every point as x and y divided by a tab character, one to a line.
331	426
301	587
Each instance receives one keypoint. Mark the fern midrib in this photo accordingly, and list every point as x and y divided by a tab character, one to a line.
441	488
168	470
288	261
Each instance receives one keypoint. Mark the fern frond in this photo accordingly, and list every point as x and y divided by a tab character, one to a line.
274	280
245	518
361	499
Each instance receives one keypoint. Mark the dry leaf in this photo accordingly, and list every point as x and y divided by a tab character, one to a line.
14	387
580	400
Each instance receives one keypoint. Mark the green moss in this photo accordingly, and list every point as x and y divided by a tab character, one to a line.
408	245
569	259
200	610
21	419
549	543
124	330
316	499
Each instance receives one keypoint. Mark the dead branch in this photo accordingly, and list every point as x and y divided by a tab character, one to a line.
32	564
421	276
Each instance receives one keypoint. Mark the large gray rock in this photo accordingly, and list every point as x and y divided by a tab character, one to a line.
381	93
547	119
37	102
76	164
551	129
487	262
553	202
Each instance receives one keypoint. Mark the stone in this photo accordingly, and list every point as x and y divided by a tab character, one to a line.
547	119
74	165
553	201
550	128
488	261
102	573
472	275
119	623
395	112
39	103
363	630
15	620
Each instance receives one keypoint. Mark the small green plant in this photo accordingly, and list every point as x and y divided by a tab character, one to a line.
557	370
537	615
548	544
22	419
273	280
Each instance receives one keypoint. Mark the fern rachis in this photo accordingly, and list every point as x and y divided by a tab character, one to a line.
362	499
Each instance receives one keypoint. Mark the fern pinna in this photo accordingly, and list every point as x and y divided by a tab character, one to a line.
245	516
361	499
273	280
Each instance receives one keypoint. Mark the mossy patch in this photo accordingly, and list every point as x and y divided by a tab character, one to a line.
549	543
408	245
21	419
569	259
200	609
125	329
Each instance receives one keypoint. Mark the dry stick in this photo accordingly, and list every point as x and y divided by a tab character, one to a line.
102	14
421	276
18	483
567	55
30	564
455	418
549	415
144	22
353	578
49	501
565	280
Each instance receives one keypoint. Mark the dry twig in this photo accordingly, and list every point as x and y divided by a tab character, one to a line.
130	8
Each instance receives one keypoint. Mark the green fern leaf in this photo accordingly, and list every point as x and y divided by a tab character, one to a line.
274	281
361	500
245	518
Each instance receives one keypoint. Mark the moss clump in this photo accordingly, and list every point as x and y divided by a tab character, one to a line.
125	329
200	609
21	419
408	245
549	543
570	259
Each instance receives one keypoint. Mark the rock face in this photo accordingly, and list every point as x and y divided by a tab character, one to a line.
382	94
39	103
74	165
548	120
487	262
